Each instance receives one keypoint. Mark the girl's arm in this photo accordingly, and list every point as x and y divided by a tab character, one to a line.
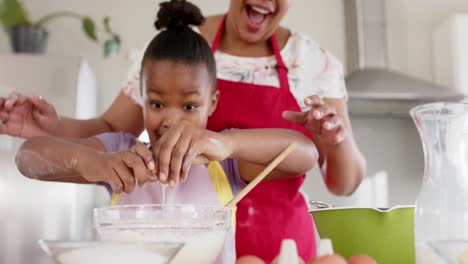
80	161
256	148
185	144
56	159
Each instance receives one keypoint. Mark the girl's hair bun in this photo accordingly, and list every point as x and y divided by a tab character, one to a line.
178	14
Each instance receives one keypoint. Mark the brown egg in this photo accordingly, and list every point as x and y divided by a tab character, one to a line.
330	259
275	261
250	260
361	259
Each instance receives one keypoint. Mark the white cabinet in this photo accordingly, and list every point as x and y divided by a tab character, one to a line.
67	82
30	209
450	53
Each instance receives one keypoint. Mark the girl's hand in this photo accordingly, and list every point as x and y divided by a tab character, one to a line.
121	170
321	120
144	152
184	145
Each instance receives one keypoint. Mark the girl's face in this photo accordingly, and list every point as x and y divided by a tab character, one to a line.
174	92
256	20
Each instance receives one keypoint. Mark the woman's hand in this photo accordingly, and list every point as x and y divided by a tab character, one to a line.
184	145
27	117
328	121
321	120
121	170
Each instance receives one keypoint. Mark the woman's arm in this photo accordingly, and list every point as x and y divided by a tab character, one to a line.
123	115
342	163
28	117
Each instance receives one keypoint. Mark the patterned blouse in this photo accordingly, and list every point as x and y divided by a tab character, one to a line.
311	71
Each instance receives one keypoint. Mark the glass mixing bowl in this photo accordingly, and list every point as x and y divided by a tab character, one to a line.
202	229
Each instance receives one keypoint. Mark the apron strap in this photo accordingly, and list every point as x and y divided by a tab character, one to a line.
281	67
219	35
115	199
222	187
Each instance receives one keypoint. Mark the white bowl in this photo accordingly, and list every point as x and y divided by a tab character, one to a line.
98	252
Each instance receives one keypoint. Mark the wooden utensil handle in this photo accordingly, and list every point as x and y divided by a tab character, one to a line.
262	175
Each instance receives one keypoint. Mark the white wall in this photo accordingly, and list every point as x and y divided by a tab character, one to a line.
389	144
321	20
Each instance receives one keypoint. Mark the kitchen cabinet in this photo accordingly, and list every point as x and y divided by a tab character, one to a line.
30	209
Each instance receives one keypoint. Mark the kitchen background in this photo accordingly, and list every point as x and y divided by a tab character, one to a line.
388	140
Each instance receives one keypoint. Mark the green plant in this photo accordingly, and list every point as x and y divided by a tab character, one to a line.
13	13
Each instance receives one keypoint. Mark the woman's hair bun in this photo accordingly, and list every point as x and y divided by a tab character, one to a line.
177	14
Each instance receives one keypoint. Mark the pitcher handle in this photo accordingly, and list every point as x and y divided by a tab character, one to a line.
319	204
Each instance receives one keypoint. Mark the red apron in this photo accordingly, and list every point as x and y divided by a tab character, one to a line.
274	210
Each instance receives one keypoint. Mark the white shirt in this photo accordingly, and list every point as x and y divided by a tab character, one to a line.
311	71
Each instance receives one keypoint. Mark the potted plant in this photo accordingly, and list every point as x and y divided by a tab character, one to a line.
31	36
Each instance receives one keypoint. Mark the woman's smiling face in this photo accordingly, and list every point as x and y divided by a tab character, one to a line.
257	20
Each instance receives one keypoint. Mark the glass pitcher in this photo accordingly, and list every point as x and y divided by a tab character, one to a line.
441	212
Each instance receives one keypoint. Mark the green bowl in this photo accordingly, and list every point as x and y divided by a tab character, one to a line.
387	235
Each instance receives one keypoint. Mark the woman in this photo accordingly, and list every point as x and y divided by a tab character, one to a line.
266	75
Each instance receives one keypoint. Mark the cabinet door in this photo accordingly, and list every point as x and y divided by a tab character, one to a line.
29	209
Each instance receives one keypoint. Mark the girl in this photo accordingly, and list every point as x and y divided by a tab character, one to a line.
178	84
